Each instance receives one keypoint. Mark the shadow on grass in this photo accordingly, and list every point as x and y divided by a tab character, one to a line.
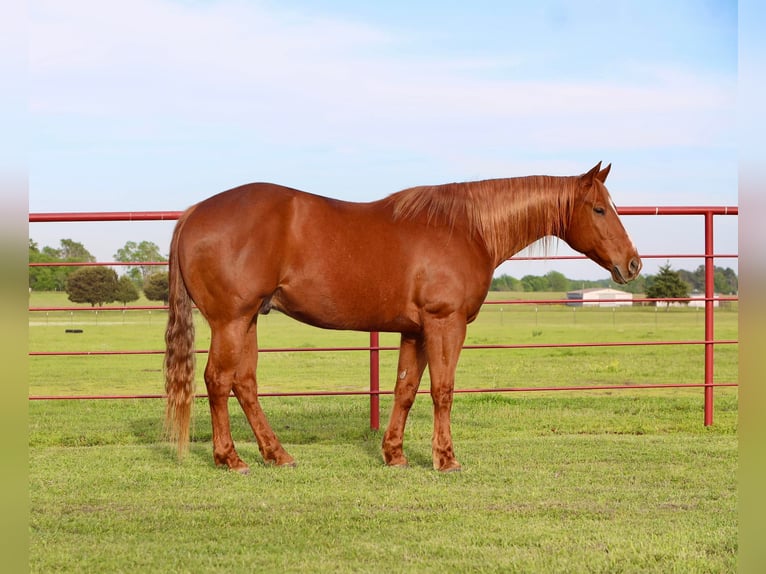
296	421
306	421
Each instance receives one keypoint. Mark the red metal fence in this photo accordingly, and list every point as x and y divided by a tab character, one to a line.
374	348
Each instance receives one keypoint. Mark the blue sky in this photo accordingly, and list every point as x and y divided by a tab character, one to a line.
157	104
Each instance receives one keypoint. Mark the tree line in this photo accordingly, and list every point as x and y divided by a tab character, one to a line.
666	283
98	285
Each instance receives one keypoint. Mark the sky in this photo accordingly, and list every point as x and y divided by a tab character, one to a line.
158	104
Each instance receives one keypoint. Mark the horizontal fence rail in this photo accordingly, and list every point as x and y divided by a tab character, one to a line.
394	348
374	348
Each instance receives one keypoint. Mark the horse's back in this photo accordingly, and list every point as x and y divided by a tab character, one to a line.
246	244
326	262
244	199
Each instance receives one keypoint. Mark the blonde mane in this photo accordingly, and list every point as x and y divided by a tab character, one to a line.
503	213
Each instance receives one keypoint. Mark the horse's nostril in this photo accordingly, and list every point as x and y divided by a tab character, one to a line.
634	265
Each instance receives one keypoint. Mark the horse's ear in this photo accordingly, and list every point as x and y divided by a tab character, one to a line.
603	173
587	178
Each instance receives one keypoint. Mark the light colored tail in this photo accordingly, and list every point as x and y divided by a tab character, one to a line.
179	352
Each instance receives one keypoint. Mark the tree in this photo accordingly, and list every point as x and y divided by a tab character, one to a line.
557	281
44	278
666	284
54	278
724	280
733	280
134	252
126	290
505	283
695	279
535	283
94	285
156	287
74	251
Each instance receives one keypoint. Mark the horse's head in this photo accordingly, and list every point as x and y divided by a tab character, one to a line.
595	228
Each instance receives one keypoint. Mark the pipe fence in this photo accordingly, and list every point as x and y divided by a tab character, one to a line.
374	348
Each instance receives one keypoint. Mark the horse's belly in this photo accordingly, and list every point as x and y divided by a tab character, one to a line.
352	310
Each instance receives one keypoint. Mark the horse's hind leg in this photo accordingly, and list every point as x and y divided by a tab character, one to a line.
246	391
226	350
231	366
412	363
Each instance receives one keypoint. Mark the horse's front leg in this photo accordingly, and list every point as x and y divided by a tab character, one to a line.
444	337
412	363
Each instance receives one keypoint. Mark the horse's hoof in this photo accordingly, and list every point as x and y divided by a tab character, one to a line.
240	467
285	462
451	466
396	461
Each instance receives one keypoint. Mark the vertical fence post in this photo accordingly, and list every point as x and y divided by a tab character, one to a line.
709	314
374	380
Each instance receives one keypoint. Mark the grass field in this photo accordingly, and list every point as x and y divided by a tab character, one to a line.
608	481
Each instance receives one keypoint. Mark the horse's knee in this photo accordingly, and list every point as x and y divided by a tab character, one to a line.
441	397
405	402
405	393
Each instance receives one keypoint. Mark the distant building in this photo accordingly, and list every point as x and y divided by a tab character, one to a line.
599	297
701	302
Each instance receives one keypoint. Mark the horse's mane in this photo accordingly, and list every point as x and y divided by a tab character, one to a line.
502	212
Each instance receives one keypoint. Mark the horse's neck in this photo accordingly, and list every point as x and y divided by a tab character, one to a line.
540	210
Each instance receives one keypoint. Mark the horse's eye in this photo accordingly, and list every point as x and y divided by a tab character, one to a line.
599	210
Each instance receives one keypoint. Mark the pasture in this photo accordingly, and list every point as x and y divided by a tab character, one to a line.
597	481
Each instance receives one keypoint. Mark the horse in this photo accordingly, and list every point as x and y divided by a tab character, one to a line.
418	262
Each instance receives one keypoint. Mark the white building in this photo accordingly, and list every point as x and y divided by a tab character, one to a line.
701	303
599	297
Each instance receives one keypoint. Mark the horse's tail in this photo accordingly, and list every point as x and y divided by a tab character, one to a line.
179	352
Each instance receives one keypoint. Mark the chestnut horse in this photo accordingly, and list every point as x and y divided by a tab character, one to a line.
418	262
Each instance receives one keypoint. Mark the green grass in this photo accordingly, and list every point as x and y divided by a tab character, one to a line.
621	481
576	484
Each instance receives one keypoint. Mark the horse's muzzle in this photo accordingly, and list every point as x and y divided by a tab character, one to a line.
624	275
